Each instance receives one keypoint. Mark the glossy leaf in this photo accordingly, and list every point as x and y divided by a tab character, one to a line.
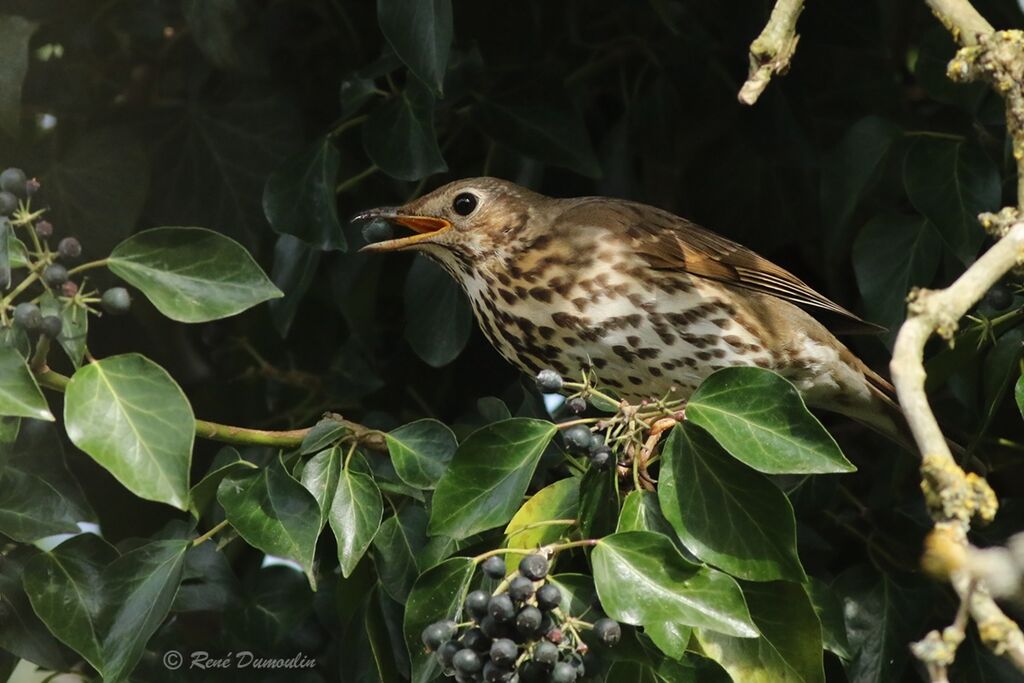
760	418
789	649
20	396
1018	394
320	476
437	594
355	516
830	613
22	632
227	461
643	580
599	502
438	318
398	545
324	433
421	451
74	326
38	495
559	500
274	513
299	198
190	274
295	264
641	511
725	513
488	476
893	254
399	137
15	33
951	182
133	419
420	31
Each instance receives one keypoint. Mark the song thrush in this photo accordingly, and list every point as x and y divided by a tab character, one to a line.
646	299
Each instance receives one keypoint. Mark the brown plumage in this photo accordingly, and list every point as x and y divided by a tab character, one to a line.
644	298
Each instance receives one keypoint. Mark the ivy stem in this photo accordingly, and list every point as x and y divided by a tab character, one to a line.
352	181
550	522
579	421
25	284
209	534
100	263
345	125
548	549
38	361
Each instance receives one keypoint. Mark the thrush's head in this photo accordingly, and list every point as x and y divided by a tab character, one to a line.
463	223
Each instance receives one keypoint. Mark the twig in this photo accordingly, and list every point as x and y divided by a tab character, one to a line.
771	52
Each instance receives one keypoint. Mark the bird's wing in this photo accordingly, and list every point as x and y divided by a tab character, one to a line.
668	242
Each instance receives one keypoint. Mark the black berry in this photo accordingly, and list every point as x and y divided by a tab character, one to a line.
492	628
501	609
13	180
576	405
50	326
600	457
69	249
504	652
377	231
549	381
476	604
1000	297
55	275
44	229
116	300
437	633
27	316
533	672
528	621
563	672
494	567
446	652
548	597
8	203
607	631
545	653
466	661
475	639
494	673
520	589
577	439
534	567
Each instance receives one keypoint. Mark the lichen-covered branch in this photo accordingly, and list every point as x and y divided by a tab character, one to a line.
771	52
956	498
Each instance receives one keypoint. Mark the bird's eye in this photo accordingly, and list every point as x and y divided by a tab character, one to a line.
464	203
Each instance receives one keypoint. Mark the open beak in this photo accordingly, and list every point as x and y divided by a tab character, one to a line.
425	227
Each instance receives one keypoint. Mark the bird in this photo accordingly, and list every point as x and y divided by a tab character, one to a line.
647	301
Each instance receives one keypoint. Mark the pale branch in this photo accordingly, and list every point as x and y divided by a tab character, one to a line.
771	52
961	20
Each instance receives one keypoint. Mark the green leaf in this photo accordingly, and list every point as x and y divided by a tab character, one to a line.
295	264
399	136
274	513
320	476
1018	394
299	198
760	418
6	239
789	648
559	500
951	182
74	326
38	495
548	132
355	516
192	275
830	613
19	394
724	512
9	428
323	434
893	254
641	511
438	319
643	580
599	502
21	631
13	337
15	33
133	419
398	545
420	32
421	451
98	188
437	594
227	461
488	477
16	250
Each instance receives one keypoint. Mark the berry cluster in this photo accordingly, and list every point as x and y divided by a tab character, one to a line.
578	439
518	634
51	266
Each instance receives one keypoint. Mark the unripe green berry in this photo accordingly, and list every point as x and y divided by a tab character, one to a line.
116	300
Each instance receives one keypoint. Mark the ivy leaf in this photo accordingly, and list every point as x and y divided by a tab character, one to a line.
320	476
224	463
192	275
760	418
355	516
299	198
789	649
421	451
951	182
399	543
133	419
559	500
274	513
22	632
1018	394
74	326
830	613
725	513
6	239
437	594
399	136
38	495
420	31
643	580
488	477
295	264
19	394
438	318
641	511
893	254
599	502
15	33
